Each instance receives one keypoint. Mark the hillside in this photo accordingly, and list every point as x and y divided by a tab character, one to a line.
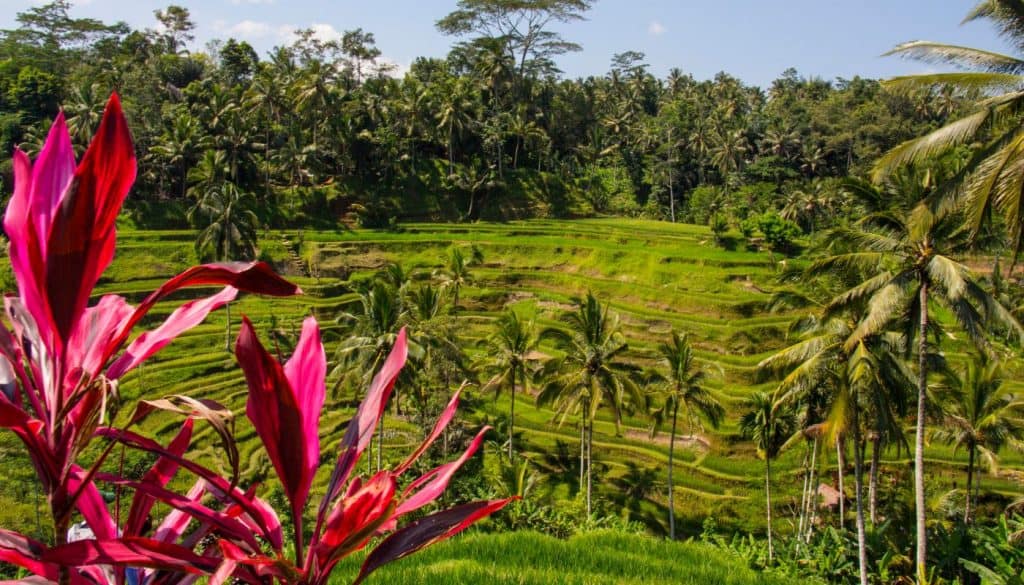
657	276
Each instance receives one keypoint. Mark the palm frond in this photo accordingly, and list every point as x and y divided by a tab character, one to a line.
962	57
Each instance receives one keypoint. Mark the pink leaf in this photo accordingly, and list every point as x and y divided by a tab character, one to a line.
51	176
80	242
355	518
306	372
439	426
175	523
91	505
131	551
182	319
360	429
26	553
255	277
93	333
160	474
426	531
276	414
25	244
432	484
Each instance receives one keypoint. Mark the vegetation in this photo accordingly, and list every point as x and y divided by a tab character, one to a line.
827	268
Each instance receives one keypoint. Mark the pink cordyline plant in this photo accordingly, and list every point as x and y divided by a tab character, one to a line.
284	406
60	362
57	368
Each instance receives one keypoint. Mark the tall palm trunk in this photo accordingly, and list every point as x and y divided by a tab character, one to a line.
512	416
583	451
840	468
768	504
590	463
970	478
922	391
812	501
858	483
805	495
227	335
876	448
671	487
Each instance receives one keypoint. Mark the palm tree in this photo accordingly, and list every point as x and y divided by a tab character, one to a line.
590	374
372	330
229	232
454	114
981	417
911	267
681	387
509	357
456	273
768	424
992	178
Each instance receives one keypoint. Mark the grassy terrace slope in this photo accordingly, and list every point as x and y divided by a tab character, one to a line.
656	275
593	559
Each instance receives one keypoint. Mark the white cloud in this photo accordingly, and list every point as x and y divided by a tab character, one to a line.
655	29
254	30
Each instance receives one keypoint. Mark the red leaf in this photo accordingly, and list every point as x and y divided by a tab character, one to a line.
182	319
26	553
255	277
160	474
131	551
360	429
439	426
426	531
433	483
81	240
276	414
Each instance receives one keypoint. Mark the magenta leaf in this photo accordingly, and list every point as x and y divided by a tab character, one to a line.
431	485
426	531
131	551
160	474
81	240
182	319
360	429
276	414
442	422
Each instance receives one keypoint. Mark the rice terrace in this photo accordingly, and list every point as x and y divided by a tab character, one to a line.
290	303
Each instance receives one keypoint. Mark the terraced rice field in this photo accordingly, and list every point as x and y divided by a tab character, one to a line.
657	276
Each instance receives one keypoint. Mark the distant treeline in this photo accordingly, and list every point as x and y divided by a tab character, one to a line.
321	129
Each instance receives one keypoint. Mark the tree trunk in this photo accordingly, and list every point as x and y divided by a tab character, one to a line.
590	464
227	335
813	500
805	495
768	504
970	478
380	444
671	199
840	467
876	455
671	487
922	391
583	450
858	483
451	151
512	416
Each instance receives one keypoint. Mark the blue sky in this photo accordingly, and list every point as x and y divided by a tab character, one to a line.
754	40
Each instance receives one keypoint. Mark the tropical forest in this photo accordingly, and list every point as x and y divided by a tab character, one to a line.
292	315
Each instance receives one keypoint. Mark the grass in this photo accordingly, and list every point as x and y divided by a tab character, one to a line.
600	558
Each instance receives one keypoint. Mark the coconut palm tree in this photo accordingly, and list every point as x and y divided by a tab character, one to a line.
456	273
229	230
591	374
510	357
909	258
979	415
681	387
992	178
768	424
